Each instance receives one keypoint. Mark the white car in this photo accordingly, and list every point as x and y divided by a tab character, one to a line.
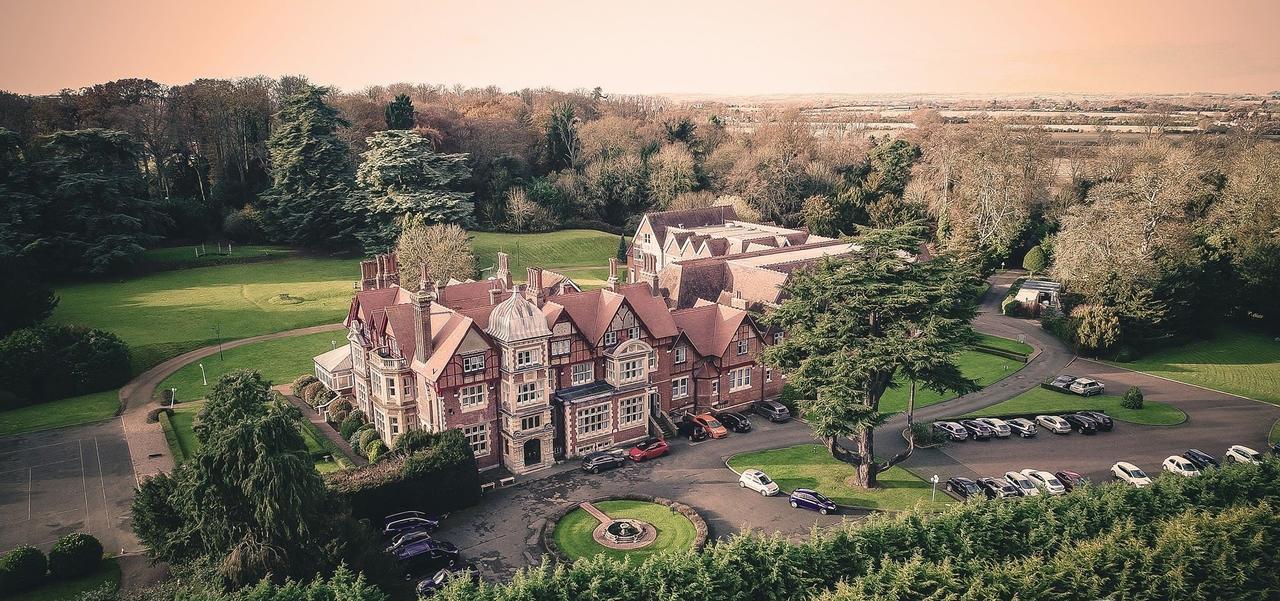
1180	466
1023	483
1128	472
1241	454
1087	387
1000	426
757	480
1054	424
1045	480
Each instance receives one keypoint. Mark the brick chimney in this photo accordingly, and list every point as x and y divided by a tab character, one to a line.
504	271
495	292
613	274
368	275
391	269
533	286
651	274
422	300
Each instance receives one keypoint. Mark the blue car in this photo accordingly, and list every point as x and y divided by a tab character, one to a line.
803	498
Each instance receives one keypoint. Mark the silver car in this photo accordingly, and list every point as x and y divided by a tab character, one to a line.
1000	426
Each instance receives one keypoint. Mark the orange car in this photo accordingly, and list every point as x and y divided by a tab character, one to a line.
712	425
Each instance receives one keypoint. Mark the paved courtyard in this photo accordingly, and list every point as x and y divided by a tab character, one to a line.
76	479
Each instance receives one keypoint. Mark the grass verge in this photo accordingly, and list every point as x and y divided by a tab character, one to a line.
72	589
1236	361
1039	400
71	411
279	361
811	466
1005	344
573	531
986	368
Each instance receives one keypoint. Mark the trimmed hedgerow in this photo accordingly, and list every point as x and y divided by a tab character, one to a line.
75	554
436	476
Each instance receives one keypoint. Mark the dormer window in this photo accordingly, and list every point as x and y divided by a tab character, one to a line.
611	338
680	353
633	332
777	337
472	363
743	346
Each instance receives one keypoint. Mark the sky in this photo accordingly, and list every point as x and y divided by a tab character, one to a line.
656	46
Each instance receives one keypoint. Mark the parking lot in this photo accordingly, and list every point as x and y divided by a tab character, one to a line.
1215	421
77	479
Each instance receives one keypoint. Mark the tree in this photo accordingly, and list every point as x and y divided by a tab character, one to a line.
564	147
400	113
310	202
854	324
27	300
622	249
405	178
445	249
671	171
1035	260
524	214
1099	326
48	362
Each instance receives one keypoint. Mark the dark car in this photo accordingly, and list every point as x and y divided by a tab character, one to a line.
1104	421
429	586
963	488
1201	459
1081	423
1070	480
600	461
426	556
649	448
410	524
998	488
1063	383
951	431
692	431
395	517
1022	426
978	430
1275	449
734	421
772	410
803	498
406	538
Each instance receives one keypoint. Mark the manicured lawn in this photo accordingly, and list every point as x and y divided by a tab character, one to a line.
581	254
56	414
182	257
1236	361
1006	344
71	589
986	368
1040	400
573	532
811	466
279	361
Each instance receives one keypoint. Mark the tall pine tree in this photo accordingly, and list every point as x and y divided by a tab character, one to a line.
404	178
399	113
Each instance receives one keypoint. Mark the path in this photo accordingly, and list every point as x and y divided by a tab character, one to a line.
317	419
147	447
595	512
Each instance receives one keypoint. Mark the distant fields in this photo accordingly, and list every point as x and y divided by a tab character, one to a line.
1236	360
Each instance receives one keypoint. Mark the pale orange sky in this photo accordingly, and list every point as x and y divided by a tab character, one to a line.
652	46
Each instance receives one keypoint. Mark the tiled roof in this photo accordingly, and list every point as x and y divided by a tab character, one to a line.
709	326
688	218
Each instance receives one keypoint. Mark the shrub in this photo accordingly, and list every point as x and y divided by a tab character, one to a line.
1132	398
342	404
300	383
244	225
1011	307
22	568
310	391
324	395
925	434
50	362
375	450
352	423
75	554
336	417
153	416
437	479
367	436
1035	260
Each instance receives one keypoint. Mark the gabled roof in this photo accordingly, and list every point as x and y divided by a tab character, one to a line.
660	221
710	327
336	360
467	294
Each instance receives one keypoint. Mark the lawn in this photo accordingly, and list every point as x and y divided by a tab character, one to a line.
183	257
573	531
1005	344
986	368
56	414
72	589
1041	400
1274	437
581	254
1235	361
811	466
279	361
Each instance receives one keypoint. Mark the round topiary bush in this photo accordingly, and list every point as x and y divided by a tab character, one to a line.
1132	398
243	226
375	450
75	554
21	569
310	391
342	404
300	383
352	423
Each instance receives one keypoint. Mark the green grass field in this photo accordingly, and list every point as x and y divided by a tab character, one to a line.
1041	400
986	368
573	532
183	442
811	466
183	257
64	412
279	361
1235	361
72	589
580	254
1006	344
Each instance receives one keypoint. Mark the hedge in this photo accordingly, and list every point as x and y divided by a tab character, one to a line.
171	437
75	554
21	569
50	362
300	383
437	479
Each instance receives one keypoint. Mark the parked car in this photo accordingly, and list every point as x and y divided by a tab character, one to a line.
1275	448
978	430
426	556
963	488
651	448
429	586
600	461
998	488
1128	472
1000	426
803	498
411	514
734	421
1063	382
1081	423
1046	481
1070	479
1022	427
1024	484
772	410
758	481
1087	387
951	431
692	431
1054	424
712	425
1241	454
1201	459
1180	466
410	524
405	538
1104	421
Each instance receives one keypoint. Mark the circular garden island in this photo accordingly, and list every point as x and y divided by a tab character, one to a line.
625	528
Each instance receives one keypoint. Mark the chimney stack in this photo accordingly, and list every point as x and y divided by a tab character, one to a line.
503	272
422	300
533	286
368	275
379	282
495	292
613	274
391	269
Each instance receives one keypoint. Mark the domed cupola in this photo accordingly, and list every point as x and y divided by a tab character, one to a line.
517	319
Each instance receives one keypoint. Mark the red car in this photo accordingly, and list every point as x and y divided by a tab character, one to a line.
651	448
713	425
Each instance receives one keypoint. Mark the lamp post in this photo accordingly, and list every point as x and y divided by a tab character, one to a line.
173	397
933	496
202	377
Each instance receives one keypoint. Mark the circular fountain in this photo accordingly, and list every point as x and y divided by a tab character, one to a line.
624	531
